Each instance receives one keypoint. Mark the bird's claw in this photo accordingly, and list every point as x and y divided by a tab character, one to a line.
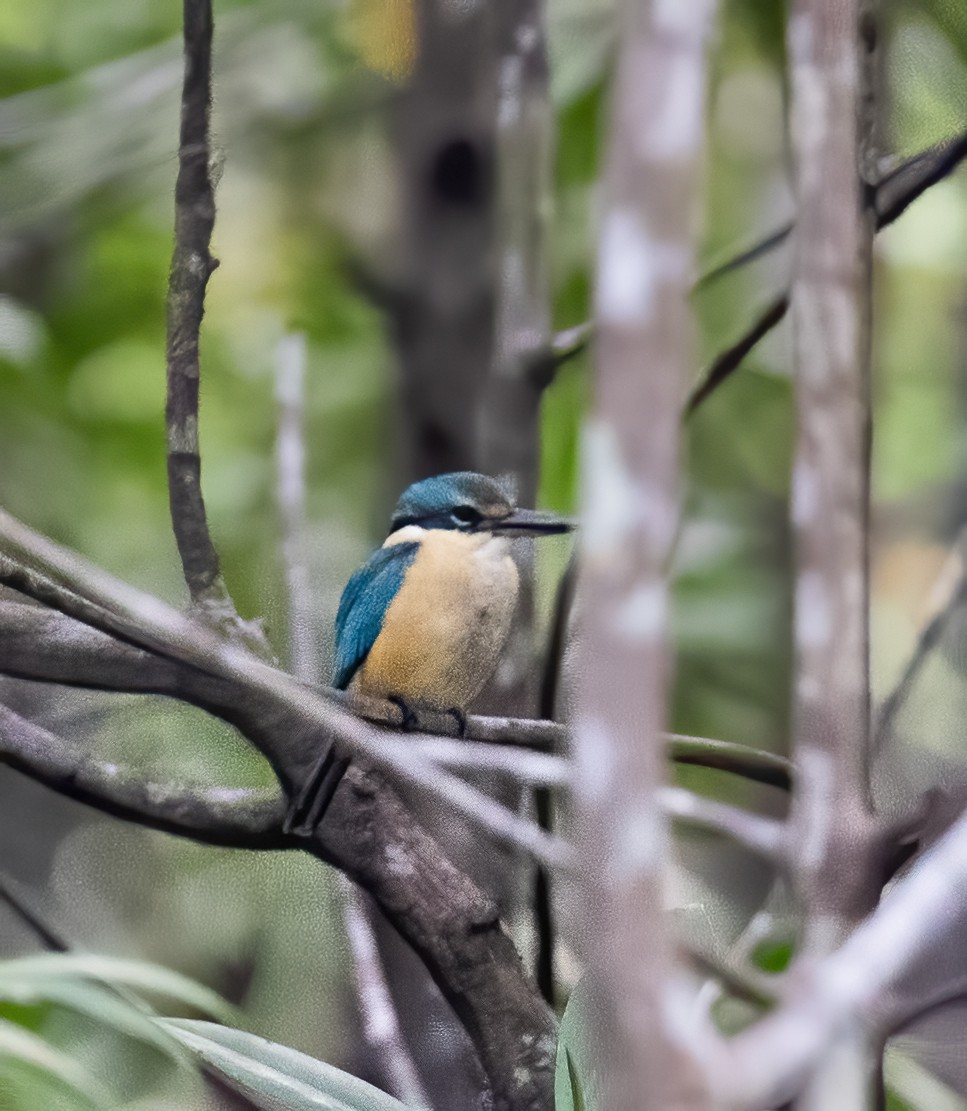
408	719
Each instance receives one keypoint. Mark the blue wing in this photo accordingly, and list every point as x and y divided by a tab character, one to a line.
363	606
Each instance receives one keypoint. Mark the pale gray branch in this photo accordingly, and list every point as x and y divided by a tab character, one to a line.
766	1064
764	836
631	507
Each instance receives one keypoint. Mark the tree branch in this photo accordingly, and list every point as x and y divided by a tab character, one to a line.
763	836
233	817
191	267
837	866
368	832
930	637
893	195
631	494
765	1065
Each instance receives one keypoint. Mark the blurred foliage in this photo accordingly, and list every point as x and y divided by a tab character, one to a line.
307	191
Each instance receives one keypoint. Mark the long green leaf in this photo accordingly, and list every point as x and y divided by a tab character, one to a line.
283	1077
26	1047
95	1002
141	976
576	1081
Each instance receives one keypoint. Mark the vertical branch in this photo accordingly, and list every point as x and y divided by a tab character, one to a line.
443	317
644	353
380	1022
191	267
838	871
510	413
290	461
510	433
830	494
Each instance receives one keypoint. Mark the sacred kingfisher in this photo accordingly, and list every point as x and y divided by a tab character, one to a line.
424	620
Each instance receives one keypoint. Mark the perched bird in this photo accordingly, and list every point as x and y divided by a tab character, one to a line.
424	620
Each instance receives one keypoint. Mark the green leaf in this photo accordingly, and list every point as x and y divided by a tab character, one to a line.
576	1082
773	955
283	1077
25	1047
140	976
577	1096
95	1002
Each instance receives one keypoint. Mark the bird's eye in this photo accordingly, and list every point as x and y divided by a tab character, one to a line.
466	515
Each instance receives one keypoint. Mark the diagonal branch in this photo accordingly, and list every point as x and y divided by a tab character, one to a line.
233	817
930	637
765	1065
148	623
370	834
892	196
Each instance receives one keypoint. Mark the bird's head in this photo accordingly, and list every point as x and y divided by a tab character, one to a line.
468	502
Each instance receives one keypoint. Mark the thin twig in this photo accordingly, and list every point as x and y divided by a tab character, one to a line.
930	637
736	261
290	461
751	763
893	195
15	900
380	1021
237	817
729	360
543	799
763	836
191	267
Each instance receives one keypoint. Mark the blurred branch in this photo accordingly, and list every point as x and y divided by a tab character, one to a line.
954	589
442	315
242	817
766	1063
191	267
379	1018
763	836
290	457
524	160
892	195
380	1021
836	839
832	809
48	937
631	502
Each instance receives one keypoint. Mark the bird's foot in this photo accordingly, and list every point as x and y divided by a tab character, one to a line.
309	806
460	718
408	719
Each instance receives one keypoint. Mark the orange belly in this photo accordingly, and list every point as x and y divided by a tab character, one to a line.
444	631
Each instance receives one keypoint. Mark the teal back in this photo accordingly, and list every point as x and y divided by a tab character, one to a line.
363	606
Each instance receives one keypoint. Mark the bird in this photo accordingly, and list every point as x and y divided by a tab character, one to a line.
423	622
